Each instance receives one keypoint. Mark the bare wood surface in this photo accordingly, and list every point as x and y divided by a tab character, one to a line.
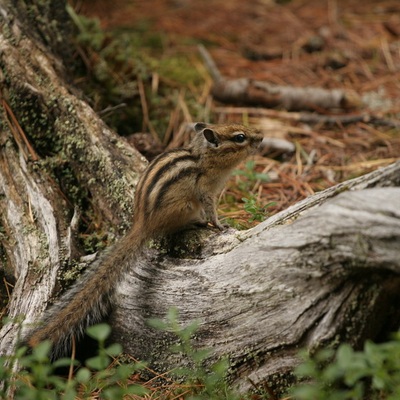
310	276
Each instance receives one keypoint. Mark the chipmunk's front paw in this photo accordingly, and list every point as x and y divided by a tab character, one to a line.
221	227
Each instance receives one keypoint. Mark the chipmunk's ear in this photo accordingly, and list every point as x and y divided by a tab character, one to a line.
208	133
210	136
199	126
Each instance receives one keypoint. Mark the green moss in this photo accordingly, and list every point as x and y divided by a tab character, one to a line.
118	58
178	69
71	274
36	119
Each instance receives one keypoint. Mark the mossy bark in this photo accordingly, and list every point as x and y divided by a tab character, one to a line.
58	160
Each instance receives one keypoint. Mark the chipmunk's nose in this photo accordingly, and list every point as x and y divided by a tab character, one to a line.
257	141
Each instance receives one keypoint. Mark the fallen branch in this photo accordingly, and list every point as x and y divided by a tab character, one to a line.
253	92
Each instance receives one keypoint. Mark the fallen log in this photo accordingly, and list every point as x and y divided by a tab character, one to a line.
325	271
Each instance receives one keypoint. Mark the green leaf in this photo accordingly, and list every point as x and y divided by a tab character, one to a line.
114	350
20	352
344	354
69	394
42	351
172	315
157	323
99	332
182	371
83	375
187	332
98	363
306	392
262	177
136	389
221	367
306	370
332	373
124	371
200	355
64	362
112	393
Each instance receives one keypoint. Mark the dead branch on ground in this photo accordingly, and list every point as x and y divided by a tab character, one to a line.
253	92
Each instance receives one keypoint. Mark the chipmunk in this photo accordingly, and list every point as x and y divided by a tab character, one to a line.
180	188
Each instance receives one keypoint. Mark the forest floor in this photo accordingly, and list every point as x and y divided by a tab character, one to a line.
333	44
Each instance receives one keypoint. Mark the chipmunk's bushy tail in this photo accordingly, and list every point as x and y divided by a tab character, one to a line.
88	300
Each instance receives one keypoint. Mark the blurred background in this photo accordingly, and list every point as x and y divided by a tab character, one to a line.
145	76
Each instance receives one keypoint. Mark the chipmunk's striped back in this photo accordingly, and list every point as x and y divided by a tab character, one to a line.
163	174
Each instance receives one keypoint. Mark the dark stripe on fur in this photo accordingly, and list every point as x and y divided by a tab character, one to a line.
151	166
163	170
167	186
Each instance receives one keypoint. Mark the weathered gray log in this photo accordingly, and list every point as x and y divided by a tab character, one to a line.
330	275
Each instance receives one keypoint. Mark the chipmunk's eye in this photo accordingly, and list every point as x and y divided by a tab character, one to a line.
240	138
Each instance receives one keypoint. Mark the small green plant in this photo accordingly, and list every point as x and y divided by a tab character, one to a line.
99	375
256	210
373	373
251	176
37	379
208	383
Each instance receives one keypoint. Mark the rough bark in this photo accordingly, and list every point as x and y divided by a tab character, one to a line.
313	275
324	271
55	155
